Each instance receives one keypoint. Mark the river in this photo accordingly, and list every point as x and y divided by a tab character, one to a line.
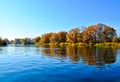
59	64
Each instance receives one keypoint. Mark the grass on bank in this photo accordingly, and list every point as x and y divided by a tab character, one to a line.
108	44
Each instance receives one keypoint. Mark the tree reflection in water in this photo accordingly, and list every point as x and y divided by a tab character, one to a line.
89	55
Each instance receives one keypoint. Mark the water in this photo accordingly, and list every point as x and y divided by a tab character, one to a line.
54	64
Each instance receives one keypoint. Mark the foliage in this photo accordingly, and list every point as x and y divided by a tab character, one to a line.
23	41
54	38
45	38
36	40
99	33
3	42
62	36
73	36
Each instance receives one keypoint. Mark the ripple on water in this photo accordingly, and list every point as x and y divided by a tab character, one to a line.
33	64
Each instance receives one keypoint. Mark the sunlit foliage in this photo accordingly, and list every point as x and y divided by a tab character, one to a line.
98	33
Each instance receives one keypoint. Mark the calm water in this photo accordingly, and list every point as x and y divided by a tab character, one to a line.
50	64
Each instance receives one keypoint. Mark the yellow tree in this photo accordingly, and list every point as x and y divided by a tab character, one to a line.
45	38
54	38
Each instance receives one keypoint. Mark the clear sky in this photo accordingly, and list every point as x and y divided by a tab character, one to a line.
30	18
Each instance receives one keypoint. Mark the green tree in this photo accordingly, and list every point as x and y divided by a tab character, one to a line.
3	42
26	41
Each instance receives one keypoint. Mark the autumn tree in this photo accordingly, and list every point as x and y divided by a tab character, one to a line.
73	35
36	39
45	38
54	38
79	37
98	33
62	36
69	38
108	33
90	34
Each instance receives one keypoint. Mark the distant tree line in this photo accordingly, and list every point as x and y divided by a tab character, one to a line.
3	42
98	33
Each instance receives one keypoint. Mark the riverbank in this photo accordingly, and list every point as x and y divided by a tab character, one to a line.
110	44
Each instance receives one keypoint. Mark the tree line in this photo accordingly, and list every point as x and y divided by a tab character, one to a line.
92	34
98	33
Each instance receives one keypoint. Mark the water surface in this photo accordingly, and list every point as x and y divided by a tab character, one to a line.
55	64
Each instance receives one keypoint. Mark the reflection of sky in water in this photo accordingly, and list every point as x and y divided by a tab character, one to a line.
28	64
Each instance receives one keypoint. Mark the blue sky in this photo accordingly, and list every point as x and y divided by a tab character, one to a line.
31	18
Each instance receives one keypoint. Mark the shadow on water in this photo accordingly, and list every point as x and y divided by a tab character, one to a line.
88	55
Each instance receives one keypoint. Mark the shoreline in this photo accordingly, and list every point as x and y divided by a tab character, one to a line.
110	44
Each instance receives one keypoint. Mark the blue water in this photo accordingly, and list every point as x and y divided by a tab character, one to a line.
40	64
